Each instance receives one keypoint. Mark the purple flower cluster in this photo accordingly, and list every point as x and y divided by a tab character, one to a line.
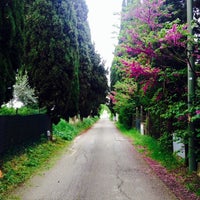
147	74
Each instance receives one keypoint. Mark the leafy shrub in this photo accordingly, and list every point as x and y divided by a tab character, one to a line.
65	130
125	116
86	123
4	110
165	142
7	111
68	131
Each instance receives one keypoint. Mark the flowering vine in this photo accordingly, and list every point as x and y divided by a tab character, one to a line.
146	74
152	52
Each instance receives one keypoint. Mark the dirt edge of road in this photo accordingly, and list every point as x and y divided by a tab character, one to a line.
170	179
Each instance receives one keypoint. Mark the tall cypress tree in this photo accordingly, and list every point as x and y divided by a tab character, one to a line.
51	54
99	82
85	68
68	16
92	75
58	56
11	44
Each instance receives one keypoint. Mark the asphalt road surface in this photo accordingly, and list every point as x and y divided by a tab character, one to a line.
100	165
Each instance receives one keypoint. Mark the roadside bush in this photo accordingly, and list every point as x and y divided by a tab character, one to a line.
125	116
4	110
86	123
68	131
7	111
65	130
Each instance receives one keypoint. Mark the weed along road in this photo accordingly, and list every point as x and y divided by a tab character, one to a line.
101	164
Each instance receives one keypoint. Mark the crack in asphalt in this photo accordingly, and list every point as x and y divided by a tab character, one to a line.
100	165
121	182
121	190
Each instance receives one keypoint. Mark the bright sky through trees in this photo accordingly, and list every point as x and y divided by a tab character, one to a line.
101	20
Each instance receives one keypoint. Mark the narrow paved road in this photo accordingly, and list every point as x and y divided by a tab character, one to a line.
100	165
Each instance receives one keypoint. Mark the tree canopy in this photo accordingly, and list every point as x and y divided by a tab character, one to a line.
149	71
11	45
51	41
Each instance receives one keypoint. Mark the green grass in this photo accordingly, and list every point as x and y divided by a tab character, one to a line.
20	166
4	110
151	147
68	131
21	163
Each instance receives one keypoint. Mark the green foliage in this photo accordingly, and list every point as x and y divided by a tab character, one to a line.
65	130
98	81
68	131
125	101
61	60
92	79
4	110
51	40
159	42
22	90
52	57
103	108
11	45
125	116
166	141
85	67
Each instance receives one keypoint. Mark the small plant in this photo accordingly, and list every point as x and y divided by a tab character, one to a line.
4	110
65	130
68	131
23	91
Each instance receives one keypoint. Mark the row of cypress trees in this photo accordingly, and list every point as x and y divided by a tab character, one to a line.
50	39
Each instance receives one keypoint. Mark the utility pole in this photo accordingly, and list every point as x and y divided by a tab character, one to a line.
191	91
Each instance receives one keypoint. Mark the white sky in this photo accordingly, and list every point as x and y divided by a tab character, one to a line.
101	20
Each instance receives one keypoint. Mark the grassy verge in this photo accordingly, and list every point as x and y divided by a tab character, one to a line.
68	131
152	148
20	164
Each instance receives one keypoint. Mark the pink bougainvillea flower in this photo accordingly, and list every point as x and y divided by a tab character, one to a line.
173	36
197	112
147	74
112	97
